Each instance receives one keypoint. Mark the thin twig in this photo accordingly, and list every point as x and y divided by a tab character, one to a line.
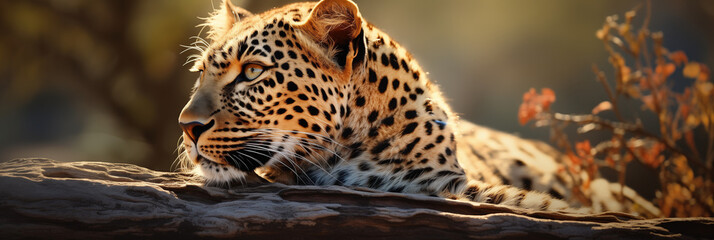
643	30
610	95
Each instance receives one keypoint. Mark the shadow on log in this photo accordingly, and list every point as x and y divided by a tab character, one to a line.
95	200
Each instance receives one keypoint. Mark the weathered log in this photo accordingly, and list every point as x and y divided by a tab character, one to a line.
41	198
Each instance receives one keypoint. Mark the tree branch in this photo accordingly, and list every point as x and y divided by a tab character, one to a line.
42	198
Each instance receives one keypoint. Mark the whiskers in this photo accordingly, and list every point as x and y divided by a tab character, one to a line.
199	45
310	157
319	153
182	163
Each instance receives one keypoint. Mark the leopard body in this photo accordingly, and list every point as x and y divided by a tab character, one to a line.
336	101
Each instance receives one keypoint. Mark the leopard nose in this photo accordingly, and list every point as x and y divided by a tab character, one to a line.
195	129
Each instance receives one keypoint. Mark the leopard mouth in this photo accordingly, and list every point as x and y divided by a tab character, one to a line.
248	159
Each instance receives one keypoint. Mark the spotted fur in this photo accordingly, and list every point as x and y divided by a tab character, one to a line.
339	102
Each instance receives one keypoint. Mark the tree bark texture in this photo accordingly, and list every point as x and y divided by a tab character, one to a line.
42	198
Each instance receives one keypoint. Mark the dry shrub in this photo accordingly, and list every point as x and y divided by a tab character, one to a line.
646	72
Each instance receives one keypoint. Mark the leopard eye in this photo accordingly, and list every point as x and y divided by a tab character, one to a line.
252	71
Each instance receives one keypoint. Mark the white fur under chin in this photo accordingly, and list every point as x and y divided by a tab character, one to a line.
220	177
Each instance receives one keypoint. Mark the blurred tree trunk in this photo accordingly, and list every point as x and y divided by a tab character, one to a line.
90	49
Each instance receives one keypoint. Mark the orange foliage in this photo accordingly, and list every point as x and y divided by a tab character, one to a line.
534	103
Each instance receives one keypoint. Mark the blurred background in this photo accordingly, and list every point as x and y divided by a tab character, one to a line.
105	80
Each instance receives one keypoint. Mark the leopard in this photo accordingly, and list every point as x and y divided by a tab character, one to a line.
313	94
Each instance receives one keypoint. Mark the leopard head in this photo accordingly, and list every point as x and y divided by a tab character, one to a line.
272	88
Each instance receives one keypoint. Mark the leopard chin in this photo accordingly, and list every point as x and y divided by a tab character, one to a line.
225	175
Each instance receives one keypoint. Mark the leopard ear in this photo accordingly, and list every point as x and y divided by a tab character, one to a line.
222	20
337	24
